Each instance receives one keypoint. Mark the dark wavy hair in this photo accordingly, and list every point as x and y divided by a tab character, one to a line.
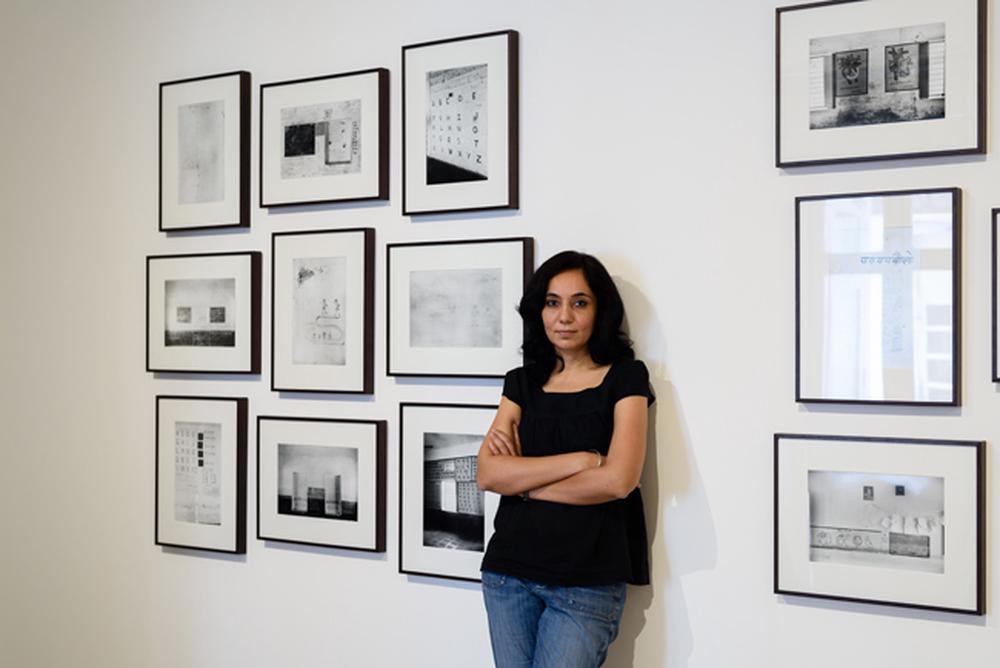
607	344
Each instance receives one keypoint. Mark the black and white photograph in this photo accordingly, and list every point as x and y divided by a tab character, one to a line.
198	473
201	460
321	482
878	298
452	306
445	519
883	76
321	139
203	313
877	520
205	152
457	124
325	139
881	80
895	521
460	124
456	308
453	502
320	303
321	325
317	481
201	152
200	312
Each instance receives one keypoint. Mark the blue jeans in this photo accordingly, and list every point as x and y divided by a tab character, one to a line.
533	625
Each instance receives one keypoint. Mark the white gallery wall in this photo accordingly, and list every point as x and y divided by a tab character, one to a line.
647	138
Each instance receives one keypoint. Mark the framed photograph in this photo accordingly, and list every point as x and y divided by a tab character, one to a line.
203	313
452	306
205	152
325	139
201	469
322	311
896	521
877	296
880	80
321	482
460	124
445	520
995	263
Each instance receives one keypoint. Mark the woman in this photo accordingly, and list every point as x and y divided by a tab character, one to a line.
566	450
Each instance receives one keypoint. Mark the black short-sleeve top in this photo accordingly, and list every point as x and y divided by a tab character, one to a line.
563	544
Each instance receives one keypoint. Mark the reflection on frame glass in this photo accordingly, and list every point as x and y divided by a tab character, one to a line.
880	80
877	297
201	463
321	482
996	294
883	520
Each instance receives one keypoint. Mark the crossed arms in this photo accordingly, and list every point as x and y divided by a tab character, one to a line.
577	478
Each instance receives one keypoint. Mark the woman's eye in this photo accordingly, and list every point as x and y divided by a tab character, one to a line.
551	302
580	303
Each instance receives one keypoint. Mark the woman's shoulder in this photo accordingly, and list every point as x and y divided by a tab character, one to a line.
630	377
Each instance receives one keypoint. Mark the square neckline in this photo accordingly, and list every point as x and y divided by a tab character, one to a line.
541	388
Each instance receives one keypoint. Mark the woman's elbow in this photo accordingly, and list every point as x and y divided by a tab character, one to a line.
620	485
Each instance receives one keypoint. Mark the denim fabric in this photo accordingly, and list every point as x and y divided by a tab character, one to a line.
533	625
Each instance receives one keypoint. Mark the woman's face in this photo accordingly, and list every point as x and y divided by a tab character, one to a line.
569	311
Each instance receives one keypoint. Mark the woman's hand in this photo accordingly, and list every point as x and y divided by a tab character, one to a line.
501	443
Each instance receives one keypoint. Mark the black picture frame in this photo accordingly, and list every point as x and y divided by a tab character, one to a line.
812	561
371	86
356	375
480	180
234	412
995	291
245	269
940	132
803	380
418	555
367	533
199	211
445	356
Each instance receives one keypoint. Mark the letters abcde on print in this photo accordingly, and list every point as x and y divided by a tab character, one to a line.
203	313
878	295
321	482
325	139
452	306
445	519
201	462
852	89
894	521
322	311
205	152
460	124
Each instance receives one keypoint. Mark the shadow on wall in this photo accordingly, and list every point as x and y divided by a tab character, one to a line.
678	518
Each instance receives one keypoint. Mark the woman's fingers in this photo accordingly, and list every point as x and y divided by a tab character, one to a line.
500	443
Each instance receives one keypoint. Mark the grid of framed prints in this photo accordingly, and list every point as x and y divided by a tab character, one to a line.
445	520
201	466
895	521
878	80
322	308
325	139
321	482
878	298
205	152
460	124
452	306
203	313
